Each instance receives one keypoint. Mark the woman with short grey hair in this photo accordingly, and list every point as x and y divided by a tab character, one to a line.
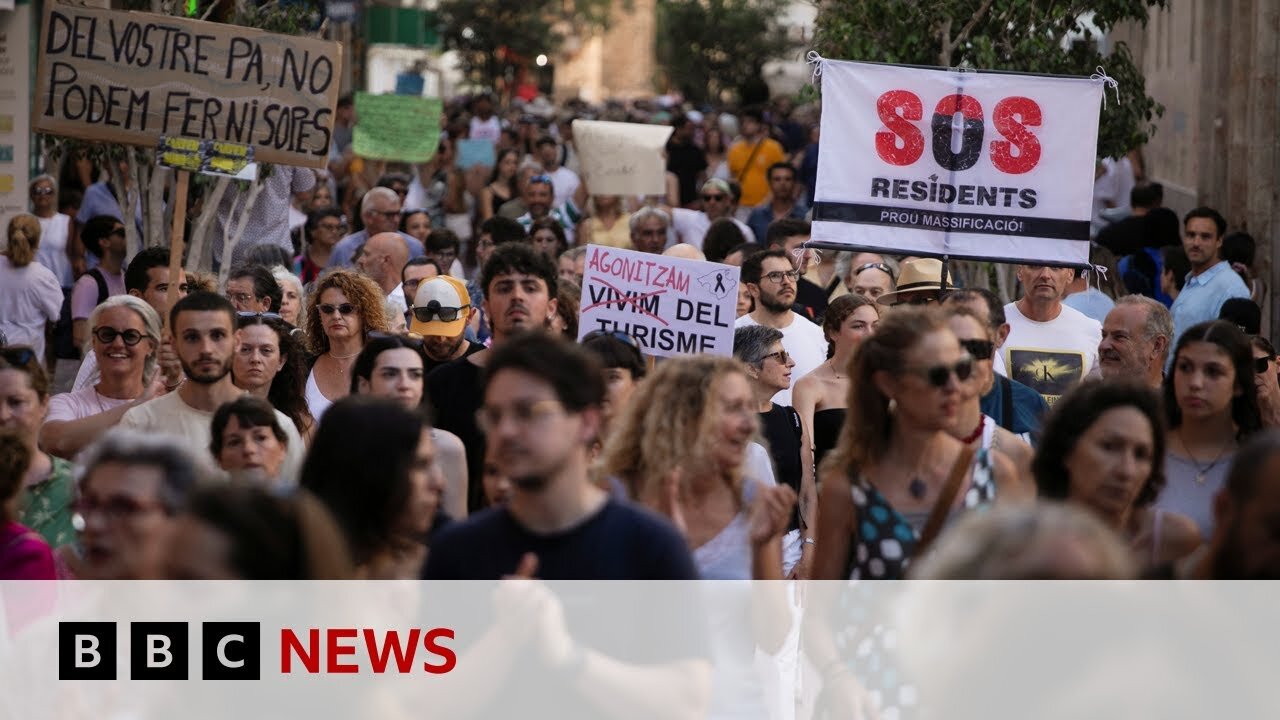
125	340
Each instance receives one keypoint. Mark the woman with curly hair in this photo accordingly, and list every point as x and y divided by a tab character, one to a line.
269	364
548	237
345	307
1103	448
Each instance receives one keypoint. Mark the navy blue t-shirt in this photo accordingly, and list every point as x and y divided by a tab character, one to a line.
1028	406
620	541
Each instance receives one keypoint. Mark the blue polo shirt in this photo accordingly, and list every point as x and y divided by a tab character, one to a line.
1202	297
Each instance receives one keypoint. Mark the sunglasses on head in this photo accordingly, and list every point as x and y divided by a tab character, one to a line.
343	309
979	349
618	335
267	315
108	335
18	355
413	340
874	266
540	180
433	309
938	375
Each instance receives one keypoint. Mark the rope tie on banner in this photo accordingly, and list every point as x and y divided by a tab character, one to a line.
816	60
1100	75
798	254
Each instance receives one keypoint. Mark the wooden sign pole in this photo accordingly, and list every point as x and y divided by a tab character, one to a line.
177	236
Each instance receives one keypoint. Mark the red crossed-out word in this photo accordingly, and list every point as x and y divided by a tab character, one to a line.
902	142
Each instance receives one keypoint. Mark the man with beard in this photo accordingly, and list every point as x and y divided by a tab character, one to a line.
1211	281
1244	545
519	294
771	280
203	327
1136	337
541	411
440	314
539	198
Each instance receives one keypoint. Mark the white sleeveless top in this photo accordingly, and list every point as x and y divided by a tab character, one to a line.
317	403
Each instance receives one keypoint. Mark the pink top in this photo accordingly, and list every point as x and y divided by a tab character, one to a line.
24	555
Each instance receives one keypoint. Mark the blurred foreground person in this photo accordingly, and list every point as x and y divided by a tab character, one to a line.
242	532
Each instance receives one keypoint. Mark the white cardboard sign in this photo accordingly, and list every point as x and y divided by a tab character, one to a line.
670	306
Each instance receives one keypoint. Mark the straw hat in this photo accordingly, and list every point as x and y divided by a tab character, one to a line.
917	275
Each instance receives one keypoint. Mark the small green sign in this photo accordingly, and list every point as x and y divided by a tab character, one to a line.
397	127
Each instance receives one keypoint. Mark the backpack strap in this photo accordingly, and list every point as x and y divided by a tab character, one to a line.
103	291
1006	403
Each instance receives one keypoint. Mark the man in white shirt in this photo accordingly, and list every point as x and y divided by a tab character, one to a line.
383	260
203	326
1051	346
771	280
691	226
568	186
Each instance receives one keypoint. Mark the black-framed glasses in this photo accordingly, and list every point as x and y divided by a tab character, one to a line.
1262	364
938	375
343	309
618	335
18	355
108	335
388	214
434	310
782	356
777	276
979	349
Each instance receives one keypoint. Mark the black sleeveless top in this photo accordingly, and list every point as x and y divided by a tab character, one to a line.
827	425
782	431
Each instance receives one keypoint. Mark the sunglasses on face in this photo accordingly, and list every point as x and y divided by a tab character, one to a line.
343	309
782	356
979	349
108	335
925	300
938	375
1262	364
434	310
42	191
118	232
715	198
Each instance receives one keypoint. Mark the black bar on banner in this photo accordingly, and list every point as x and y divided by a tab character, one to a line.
950	221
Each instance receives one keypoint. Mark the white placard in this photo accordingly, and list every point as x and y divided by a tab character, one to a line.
622	158
971	165
671	306
15	111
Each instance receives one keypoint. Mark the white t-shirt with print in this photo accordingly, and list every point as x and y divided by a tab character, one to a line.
804	342
1053	356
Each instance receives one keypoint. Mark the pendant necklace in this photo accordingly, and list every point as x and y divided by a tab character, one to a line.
1202	472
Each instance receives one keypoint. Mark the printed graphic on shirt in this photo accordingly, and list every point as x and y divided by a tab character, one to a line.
1050	372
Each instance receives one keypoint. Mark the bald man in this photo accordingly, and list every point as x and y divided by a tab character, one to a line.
382	259
686	251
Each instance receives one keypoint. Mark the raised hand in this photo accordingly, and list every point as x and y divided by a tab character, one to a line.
770	513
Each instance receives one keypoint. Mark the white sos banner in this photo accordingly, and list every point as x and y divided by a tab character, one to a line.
969	165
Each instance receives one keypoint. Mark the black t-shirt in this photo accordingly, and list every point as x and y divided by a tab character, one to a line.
782	431
686	161
620	541
453	391
472	349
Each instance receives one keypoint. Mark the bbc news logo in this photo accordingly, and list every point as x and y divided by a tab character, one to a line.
159	651
233	651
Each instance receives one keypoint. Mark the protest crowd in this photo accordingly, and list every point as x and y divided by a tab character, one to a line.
404	383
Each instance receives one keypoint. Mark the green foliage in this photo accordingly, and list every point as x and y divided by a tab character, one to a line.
712	47
1020	35
492	37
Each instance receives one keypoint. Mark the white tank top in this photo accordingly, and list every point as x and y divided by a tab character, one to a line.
317	403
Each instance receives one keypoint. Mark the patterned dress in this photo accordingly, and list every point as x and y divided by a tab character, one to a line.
46	506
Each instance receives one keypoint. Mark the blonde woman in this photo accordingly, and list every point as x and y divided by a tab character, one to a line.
32	297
